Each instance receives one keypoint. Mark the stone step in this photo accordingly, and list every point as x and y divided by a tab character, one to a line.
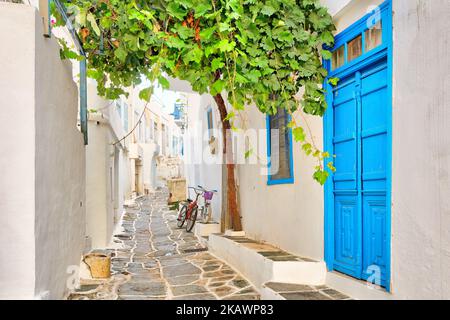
292	291
205	229
262	263
204	240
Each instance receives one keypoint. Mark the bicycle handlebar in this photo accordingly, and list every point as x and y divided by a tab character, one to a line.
214	191
200	188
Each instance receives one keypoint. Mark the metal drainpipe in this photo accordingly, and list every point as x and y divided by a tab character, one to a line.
83	100
83	66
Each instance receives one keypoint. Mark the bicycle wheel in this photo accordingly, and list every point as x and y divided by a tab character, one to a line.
182	216
191	221
206	214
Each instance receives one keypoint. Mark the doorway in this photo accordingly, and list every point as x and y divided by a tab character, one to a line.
358	133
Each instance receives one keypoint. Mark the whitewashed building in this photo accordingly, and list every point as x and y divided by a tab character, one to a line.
108	171
128	139
59	196
203	157
156	142
42	162
382	217
384	214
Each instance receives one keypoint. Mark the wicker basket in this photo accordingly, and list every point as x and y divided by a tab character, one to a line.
99	265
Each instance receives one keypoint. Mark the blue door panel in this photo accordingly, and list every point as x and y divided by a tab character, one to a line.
374	175
344	139
375	238
374	112
375	75
345	120
348	238
374	157
373	100
344	91
345	177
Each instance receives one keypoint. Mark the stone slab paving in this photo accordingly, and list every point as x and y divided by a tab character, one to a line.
151	263
291	291
268	251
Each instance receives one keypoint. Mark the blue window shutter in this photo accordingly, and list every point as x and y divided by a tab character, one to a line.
280	159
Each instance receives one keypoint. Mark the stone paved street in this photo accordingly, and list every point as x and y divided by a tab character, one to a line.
154	262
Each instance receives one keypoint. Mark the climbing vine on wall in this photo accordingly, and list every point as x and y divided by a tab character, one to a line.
253	52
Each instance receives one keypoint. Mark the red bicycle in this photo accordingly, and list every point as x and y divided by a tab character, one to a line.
189	210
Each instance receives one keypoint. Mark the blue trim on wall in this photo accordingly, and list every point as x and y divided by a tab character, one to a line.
209	112
390	73
367	58
210	122
83	64
356	29
271	181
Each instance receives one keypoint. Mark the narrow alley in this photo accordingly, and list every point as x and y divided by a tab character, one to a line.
305	144
154	260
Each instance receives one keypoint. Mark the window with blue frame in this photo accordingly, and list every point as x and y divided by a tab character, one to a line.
279	148
209	117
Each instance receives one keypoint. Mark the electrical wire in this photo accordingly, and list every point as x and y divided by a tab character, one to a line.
135	126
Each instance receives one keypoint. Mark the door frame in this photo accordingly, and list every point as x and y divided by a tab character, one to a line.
384	51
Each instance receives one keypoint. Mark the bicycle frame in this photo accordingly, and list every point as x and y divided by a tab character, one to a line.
205	208
193	204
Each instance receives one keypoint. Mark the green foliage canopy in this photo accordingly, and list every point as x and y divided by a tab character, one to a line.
256	52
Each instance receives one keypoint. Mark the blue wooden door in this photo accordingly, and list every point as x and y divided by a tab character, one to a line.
347	209
358	130
374	154
360	144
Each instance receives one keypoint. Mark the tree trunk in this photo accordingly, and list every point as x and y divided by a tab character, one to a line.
225	221
232	206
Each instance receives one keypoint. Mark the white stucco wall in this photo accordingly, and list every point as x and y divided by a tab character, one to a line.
60	168
289	216
211	172
17	152
334	6
43	217
150	152
202	167
421	150
100	215
107	172
346	12
123	182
